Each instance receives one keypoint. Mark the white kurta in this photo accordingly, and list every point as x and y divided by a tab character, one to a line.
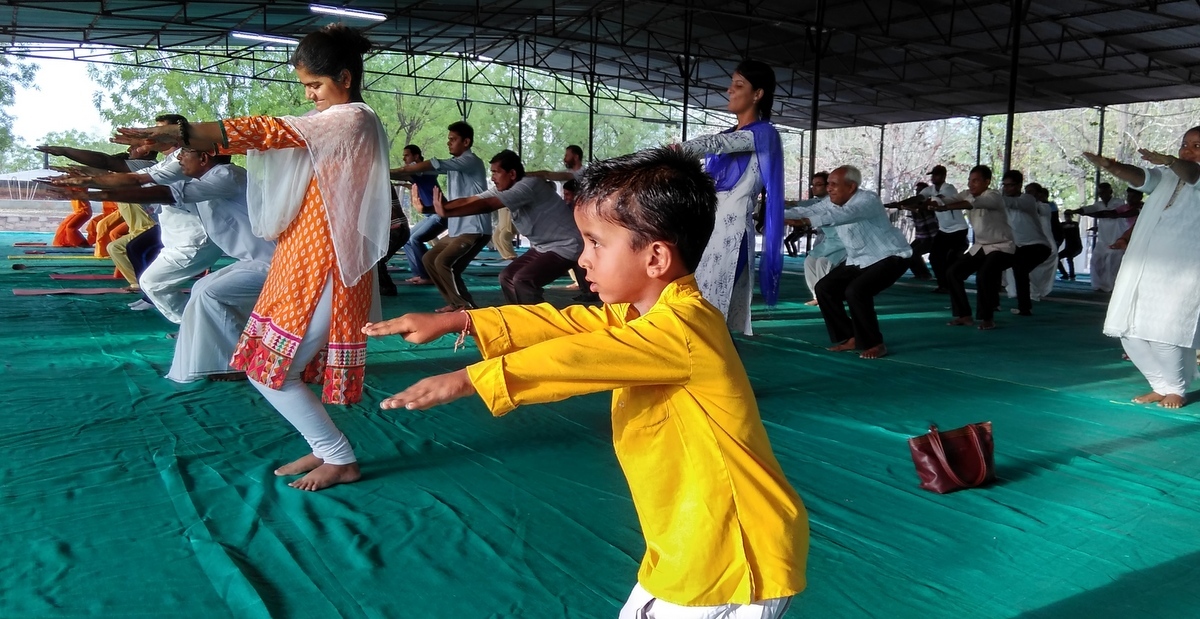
717	275
1157	292
1106	261
221	302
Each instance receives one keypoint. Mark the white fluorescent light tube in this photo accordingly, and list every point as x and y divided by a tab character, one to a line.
345	12
265	38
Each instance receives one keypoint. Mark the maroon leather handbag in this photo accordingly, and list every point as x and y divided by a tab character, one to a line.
955	459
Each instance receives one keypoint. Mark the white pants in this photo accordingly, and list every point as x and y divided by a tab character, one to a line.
643	605
213	320
816	268
162	282
1169	368
298	403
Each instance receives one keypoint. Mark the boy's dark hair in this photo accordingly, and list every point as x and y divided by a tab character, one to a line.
416	151
576	149
510	162
170	119
823	175
658	194
571	186
983	171
1015	176
331	50
1105	185
464	130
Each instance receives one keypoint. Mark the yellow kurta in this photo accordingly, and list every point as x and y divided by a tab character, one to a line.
722	524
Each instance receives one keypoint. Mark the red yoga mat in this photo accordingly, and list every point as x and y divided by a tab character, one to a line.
34	292
29	244
87	277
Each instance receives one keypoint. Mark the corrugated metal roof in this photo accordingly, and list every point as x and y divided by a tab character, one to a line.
881	61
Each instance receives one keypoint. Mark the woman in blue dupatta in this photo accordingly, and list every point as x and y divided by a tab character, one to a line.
743	161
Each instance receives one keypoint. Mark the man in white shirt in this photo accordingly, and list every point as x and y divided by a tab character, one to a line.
467	235
951	239
989	257
876	256
1029	219
1110	225
539	214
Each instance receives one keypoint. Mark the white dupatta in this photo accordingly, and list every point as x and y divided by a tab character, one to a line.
347	152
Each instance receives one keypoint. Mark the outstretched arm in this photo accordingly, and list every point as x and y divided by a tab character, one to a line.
1131	174
552	176
92	158
1186	170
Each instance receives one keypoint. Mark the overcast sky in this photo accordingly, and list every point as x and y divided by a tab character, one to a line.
61	101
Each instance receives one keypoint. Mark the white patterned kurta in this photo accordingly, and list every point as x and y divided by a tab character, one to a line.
1157	292
717	275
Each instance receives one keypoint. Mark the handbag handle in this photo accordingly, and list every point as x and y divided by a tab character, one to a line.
935	443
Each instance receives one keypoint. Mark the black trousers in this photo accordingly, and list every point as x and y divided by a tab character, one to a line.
988	270
1027	258
916	264
948	247
856	287
524	280
142	250
396	239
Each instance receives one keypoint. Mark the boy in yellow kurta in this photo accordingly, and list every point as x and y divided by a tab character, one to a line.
723	527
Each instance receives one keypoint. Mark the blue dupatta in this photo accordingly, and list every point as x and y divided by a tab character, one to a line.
727	169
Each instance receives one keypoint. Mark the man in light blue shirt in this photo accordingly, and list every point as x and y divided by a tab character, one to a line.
876	256
466	235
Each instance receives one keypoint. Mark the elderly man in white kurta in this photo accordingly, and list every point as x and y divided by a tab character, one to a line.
221	302
1155	306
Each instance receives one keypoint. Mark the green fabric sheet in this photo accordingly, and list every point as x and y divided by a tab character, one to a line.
125	495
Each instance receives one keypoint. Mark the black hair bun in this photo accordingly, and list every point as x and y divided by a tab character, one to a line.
348	38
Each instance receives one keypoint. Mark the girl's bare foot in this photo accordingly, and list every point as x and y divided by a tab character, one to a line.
874	352
843	347
1172	401
987	325
328	475
812	302
299	467
961	321
1148	398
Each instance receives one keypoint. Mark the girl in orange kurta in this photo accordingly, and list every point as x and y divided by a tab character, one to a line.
318	185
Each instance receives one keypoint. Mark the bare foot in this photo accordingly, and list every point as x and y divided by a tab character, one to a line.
874	352
227	377
961	321
299	467
987	325
1173	401
843	347
418	281
813	302
1148	398
328	475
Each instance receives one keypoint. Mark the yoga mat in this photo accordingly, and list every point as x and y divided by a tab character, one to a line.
83	276
34	292
29	244
61	250
57	257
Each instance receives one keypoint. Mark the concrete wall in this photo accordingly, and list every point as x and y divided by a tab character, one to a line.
32	215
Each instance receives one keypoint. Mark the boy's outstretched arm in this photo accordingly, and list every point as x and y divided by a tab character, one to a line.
420	328
427	392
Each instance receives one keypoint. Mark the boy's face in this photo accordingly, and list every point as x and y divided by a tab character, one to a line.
456	144
615	270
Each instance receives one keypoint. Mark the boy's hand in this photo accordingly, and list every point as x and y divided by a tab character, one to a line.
418	328
432	391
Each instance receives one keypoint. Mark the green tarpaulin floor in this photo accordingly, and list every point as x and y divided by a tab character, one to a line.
125	495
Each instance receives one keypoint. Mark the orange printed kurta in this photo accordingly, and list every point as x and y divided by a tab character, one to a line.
68	234
304	261
108	209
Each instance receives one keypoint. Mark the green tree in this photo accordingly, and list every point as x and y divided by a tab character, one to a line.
14	155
